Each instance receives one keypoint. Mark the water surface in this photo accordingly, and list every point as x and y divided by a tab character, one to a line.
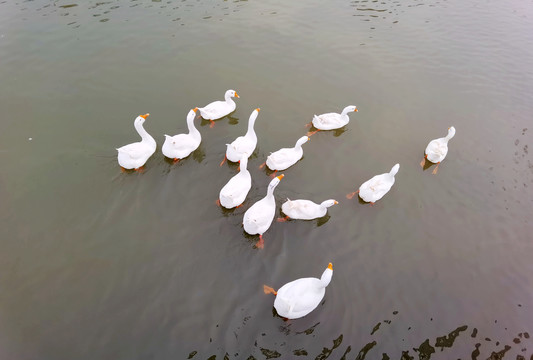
100	264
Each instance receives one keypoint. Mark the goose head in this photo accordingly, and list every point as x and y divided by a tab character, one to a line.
243	162
254	114
349	108
231	93
275	182
141	119
329	203
302	140
395	169
451	132
326	275
253	117
192	113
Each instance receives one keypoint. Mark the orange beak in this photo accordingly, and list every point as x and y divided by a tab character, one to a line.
336	202
355	110
258	109
195	109
144	116
330	266
237	95
280	177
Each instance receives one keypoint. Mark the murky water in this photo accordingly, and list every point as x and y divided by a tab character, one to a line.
100	264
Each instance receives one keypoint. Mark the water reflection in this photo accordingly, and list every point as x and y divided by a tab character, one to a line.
336	132
231	120
324	219
326	352
270	354
364	350
198	155
339	132
424	351
309	330
226	212
195	10
254	239
234	165
447	341
318	222
98	4
427	164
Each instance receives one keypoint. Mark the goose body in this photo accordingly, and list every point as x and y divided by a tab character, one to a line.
234	192
306	209
375	188
438	148
299	297
219	109
244	144
331	121
135	155
182	145
257	219
286	157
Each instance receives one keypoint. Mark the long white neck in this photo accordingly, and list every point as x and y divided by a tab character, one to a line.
394	170
229	100
190	124
326	204
449	136
326	277
144	135
270	192
251	123
451	133
300	142
345	111
243	164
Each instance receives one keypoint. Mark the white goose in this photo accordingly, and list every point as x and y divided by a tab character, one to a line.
257	219
182	145
331	121
305	209
235	191
437	149
286	157
219	109
135	155
375	188
299	297
243	144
